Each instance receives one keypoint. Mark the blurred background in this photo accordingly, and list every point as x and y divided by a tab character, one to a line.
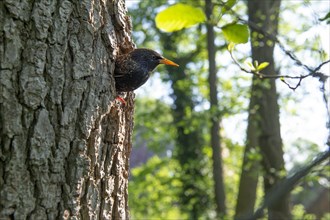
200	156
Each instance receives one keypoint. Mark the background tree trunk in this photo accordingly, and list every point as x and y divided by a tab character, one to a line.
247	192
189	138
65	143
264	124
219	187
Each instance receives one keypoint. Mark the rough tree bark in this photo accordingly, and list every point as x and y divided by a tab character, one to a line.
264	124
65	143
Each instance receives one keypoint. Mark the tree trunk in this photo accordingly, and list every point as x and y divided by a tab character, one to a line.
219	188
194	201
265	14
264	124
247	192
65	142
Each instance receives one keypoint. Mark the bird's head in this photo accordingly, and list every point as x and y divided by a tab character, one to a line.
150	59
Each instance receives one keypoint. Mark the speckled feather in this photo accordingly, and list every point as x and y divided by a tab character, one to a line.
133	69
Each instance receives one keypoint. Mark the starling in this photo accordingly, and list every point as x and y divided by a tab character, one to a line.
133	69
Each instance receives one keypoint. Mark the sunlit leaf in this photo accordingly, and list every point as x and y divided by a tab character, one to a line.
249	65
236	33
228	5
179	16
256	63
231	46
262	66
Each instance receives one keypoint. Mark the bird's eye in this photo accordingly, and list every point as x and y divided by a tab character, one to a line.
155	57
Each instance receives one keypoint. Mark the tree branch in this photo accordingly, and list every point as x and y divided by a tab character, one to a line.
314	72
288	184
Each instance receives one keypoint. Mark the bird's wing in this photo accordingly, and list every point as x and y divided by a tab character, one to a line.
124	67
119	75
120	70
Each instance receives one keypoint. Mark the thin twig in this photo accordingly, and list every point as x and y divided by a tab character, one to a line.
262	75
312	71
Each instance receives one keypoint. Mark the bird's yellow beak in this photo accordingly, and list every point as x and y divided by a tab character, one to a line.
168	62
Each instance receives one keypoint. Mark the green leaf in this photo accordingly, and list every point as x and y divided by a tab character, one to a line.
231	46
236	33
262	66
179	16
256	64
250	65
228	5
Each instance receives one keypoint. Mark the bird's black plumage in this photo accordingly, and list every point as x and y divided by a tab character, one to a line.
133	69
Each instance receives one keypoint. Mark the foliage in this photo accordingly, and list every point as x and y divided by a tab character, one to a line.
179	16
236	33
232	153
299	213
256	66
153	190
190	127
159	124
326	216
158	182
154	125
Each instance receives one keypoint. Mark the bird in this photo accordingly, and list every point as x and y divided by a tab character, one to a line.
133	69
